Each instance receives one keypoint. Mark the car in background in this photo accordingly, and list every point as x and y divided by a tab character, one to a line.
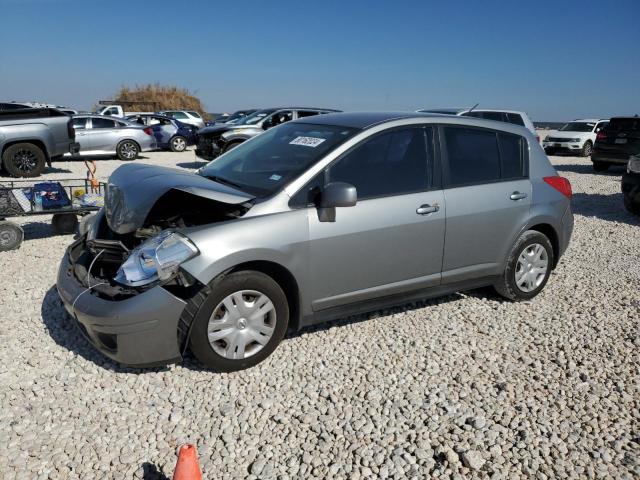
232	118
506	116
630	184
616	143
169	133
215	140
185	116
6	106
30	138
574	137
104	135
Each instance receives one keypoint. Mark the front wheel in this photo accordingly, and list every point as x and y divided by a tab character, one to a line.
241	321
528	267
587	148
178	144
631	206
127	150
231	146
600	166
64	223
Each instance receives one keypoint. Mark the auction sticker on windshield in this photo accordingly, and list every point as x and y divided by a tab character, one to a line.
307	141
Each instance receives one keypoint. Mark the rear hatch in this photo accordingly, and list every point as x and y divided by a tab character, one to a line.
620	139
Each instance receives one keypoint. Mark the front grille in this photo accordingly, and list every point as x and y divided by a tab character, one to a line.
557	139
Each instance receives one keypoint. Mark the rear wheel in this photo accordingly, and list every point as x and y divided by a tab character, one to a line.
241	321
127	150
231	146
528	267
600	166
178	144
64	223
587	148
631	206
11	236
24	160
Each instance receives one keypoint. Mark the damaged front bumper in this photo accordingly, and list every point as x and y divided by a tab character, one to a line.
136	330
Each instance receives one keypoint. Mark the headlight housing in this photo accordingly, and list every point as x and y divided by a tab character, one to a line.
575	139
634	164
156	259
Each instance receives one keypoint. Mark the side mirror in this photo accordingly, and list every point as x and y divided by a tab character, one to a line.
338	194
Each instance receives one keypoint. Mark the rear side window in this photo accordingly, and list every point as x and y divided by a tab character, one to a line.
302	113
497	116
476	156
624	124
393	163
472	156
512	155
195	114
102	123
79	123
515	119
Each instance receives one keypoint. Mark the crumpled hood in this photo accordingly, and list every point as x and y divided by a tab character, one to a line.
221	128
133	190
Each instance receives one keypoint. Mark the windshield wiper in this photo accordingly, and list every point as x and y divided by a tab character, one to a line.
224	181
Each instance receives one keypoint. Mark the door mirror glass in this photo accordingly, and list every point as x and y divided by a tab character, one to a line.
338	194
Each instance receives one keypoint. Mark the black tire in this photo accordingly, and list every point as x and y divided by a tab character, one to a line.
231	146
178	144
11	236
600	166
631	206
24	160
218	291
127	150
587	148
64	223
507	286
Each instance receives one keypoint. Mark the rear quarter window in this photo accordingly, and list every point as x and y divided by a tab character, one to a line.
515	118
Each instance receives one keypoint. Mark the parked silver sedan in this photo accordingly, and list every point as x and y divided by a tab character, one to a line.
102	135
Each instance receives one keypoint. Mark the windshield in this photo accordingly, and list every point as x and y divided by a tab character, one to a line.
268	162
578	127
254	118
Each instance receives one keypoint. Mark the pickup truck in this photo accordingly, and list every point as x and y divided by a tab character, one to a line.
118	111
31	138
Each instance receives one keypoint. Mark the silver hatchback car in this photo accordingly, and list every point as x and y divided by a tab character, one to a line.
313	220
104	135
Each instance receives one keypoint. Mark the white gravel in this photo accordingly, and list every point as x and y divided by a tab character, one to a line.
467	386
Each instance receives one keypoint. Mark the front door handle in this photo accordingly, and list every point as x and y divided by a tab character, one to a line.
426	209
518	196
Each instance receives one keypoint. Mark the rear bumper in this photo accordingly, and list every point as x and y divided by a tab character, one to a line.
610	157
138	331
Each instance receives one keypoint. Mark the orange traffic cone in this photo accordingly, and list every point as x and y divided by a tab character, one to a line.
187	467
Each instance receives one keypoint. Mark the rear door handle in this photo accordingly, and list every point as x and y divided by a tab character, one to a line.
518	196
426	209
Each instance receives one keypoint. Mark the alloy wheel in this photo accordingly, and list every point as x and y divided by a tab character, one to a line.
128	150
242	324
25	160
179	144
532	267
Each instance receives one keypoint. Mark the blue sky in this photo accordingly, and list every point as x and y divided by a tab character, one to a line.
557	60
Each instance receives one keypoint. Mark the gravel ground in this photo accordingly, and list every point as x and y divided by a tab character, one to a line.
466	386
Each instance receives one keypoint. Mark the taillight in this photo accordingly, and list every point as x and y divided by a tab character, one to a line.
71	130
538	138
601	136
561	184
148	131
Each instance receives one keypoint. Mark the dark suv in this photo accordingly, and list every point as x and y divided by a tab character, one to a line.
616	143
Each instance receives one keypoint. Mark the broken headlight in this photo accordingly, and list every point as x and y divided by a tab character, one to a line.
156	259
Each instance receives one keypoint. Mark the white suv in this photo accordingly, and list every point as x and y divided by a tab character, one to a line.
190	117
574	137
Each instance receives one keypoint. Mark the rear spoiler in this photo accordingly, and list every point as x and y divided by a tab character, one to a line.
26	113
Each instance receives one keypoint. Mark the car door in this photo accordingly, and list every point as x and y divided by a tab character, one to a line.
488	196
82	135
391	241
103	134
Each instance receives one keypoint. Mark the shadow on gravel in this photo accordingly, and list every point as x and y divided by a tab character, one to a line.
66	333
605	207
581	168
194	165
151	472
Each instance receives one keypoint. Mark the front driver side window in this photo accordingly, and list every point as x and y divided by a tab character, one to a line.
392	163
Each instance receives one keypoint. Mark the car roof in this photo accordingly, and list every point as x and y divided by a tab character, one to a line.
493	110
589	120
364	120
